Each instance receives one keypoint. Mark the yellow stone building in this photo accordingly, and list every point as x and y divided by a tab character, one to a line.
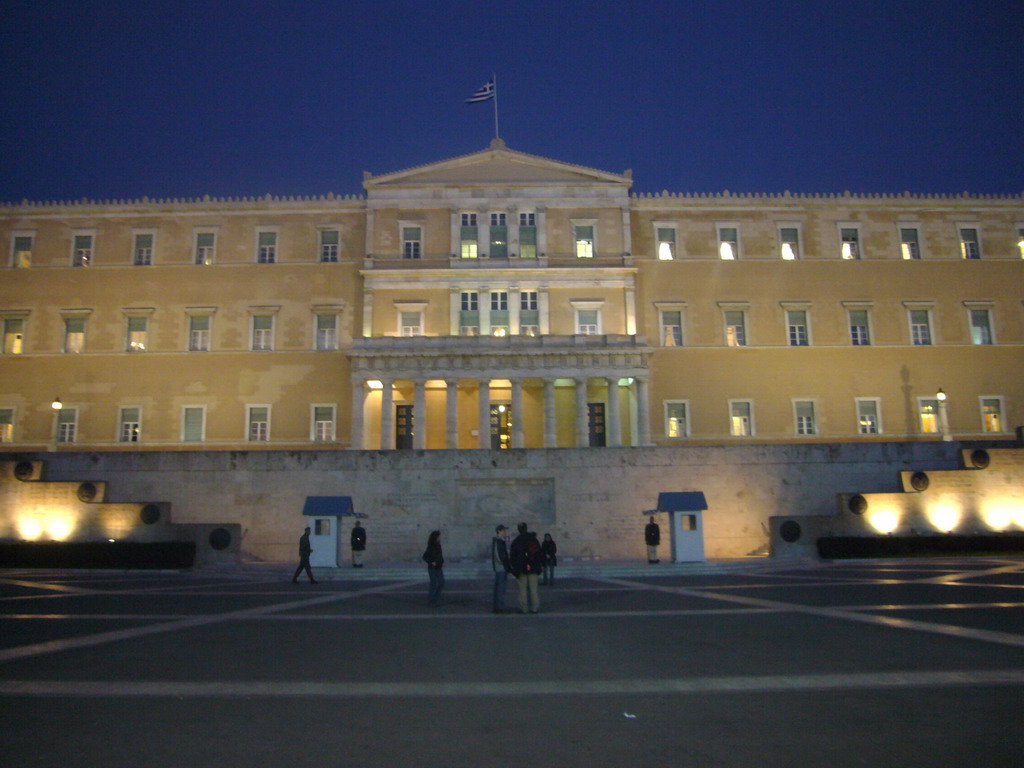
503	300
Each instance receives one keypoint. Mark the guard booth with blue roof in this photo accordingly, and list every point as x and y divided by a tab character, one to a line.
325	513
685	512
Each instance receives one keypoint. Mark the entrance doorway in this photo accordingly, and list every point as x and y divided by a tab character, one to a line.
595	424
501	427
403	427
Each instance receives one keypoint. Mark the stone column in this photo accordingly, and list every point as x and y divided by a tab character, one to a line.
643	416
517	413
582	428
356	419
452	414
484	395
550	433
419	411
387	417
613	420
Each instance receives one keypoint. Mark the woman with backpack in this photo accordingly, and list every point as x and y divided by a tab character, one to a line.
434	558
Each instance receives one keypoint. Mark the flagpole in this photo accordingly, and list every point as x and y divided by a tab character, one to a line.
494	79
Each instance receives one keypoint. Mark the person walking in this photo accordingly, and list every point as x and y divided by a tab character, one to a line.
434	558
501	567
305	550
526	559
549	550
358	544
652	535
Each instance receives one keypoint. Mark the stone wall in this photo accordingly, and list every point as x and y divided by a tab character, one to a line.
590	500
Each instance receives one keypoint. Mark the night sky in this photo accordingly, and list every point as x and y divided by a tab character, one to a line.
124	98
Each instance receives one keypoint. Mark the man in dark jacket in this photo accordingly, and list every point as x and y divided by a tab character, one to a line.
652	535
358	544
526	560
305	550
501	567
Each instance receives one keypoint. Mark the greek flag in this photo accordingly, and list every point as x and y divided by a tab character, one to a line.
483	93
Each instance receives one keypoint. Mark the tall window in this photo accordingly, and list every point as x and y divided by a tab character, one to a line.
193	423
6	425
81	253
323	423
498	247
469	313
920	328
860	331
735	328
671	327
849	242
981	326
741	418
266	247
468	236
666	237
527	235
992	414
410	323
499	313
262	333
67	425
970	244
138	330
21	252
677	423
14	336
910	246
143	250
529	315
1020	241
129	425
330	240
805	421
867	417
327	331
789	243
796	324
928	413
199	333
204	248
588	321
74	334
583	241
412	242
259	423
728	242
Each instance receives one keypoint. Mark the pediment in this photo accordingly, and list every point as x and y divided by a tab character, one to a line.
496	166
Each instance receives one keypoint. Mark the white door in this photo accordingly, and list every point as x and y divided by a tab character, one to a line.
323	538
687	537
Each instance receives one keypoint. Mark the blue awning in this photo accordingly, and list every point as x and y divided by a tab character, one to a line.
680	501
330	506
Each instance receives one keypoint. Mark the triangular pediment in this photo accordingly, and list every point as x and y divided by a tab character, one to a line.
496	166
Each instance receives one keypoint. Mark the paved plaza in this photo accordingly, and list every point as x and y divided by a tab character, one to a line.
882	663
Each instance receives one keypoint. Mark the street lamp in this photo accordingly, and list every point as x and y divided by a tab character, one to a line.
56	405
943	418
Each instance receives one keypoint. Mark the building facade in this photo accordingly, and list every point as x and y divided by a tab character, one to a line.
503	300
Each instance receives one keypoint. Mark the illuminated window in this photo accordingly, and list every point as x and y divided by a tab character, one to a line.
910	244
867	417
789	242
992	414
266	247
326	331
138	330
728	242
262	333
583	241
677	423
498	247
741	418
199	333
735	328
6	425
143	249
21	251
14	336
860	331
981	326
499	313
468	236
920	327
410	323
928	414
129	425
1020	241
672	328
666	242
74	335
805	421
970	244
796	325
412	242
330	240
322	427
527	235
259	423
849	238
193	423
81	250
469	313
67	425
588	322
205	246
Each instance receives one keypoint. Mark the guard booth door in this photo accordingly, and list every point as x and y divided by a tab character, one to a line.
323	538
687	537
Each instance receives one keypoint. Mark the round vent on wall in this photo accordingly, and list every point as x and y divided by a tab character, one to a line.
980	458
220	539
790	531
23	470
919	481
150	514
858	504
87	492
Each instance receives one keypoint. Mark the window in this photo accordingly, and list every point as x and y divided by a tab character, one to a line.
868	422
410	323
920	327
665	238
804	413
583	239
74	335
499	301
67	425
199	333
129	425
21	251
262	333
143	249
735	328
468	236
789	242
981	326
928	413
741	418
992	414
499	236
205	245
14	336
528	301
970	244
910	247
588	322
259	423
1020	241
860	332
728	242
138	328
412	242
671	328
322	426
193	423
469	313
529	315
677	423
849	239
330	240
6	425
266	247
327	331
81	250
528	235
796	325
499	313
